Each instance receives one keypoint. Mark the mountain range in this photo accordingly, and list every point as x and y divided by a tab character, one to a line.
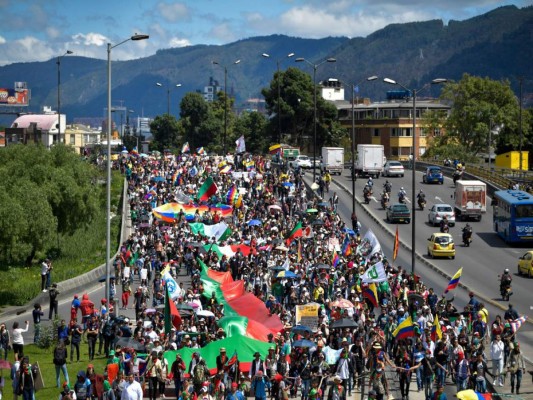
497	45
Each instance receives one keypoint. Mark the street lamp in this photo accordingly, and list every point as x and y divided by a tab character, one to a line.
315	66
413	165
108	187
168	95
225	101
370	78
279	90
58	62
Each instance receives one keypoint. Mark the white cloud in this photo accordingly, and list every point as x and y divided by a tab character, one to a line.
173	12
179	42
89	39
52	33
2	40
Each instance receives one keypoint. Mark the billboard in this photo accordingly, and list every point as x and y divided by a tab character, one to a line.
19	96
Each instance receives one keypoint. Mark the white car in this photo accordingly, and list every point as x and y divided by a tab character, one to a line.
438	211
300	161
393	168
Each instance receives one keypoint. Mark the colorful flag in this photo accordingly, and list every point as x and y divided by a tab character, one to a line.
185	148
200	150
232	195
346	247
232	360
286	265
296	232
370	292
405	329
135	152
396	244
226	169
172	315
207	189
193	171
220	231
238	202
517	323
335	258
375	273
436	331
250	165
274	149
455	281
241	146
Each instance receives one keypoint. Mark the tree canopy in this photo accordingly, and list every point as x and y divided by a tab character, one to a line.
44	193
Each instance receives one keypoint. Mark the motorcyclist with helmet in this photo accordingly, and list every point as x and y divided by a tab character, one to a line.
467	235
387	186
401	195
384	199
367	192
421	196
505	282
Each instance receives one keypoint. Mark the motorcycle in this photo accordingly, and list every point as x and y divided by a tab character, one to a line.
422	204
384	202
467	237
367	195
401	198
505	290
388	187
444	228
457	176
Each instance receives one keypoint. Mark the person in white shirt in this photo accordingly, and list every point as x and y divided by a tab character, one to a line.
132	390
18	340
496	353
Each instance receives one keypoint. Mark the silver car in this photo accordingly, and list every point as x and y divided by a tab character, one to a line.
438	211
393	168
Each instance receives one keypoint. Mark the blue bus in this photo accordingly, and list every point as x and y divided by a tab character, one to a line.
513	215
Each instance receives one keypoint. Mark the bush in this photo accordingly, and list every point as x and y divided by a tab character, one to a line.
48	337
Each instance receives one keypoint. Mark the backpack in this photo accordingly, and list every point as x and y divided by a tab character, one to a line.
199	374
59	357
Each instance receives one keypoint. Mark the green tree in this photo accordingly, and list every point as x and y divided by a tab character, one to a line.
478	104
252	125
165	130
194	111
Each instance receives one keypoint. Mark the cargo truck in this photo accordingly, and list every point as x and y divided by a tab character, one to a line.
370	160
332	160
470	200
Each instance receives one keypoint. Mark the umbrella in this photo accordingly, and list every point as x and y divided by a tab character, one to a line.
303	343
195	244
317	222
301	329
282	248
287	274
150	311
311	210
415	297
4	364
254	222
193	305
102	278
342	303
184	307
130	343
274	207
324	204
288	184
158	179
344	323
205	313
277	268
321	266
471	395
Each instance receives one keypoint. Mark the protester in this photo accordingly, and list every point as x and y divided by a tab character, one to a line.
18	340
60	362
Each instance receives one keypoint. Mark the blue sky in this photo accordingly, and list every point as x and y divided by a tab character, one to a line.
38	30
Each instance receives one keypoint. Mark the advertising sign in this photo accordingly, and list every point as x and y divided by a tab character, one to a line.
307	315
12	97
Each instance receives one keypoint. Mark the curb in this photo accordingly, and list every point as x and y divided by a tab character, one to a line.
80	281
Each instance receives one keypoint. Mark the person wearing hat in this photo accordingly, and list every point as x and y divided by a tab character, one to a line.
260	382
372	394
344	369
257	365
67	391
235	393
221	361
177	370
337	390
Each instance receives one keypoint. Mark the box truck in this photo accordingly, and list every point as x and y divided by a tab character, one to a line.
470	200
332	160
370	160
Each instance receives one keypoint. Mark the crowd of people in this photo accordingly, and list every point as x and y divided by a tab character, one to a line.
352	342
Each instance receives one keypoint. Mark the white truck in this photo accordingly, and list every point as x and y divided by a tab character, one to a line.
370	160
470	200
332	160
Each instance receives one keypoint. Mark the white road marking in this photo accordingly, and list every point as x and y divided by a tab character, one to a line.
438	198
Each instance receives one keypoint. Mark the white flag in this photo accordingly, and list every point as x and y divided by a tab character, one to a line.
217	231
376	273
173	289
241	146
286	264
369	245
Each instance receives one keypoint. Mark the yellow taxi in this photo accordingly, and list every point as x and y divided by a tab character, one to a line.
441	245
525	264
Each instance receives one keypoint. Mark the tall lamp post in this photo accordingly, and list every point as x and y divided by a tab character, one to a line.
225	101
168	95
414	151
354	86
279	90
315	66
108	186
58	62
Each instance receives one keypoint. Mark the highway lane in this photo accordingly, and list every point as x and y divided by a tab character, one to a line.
385	234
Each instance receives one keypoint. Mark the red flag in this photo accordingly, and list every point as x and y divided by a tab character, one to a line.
396	245
172	315
232	360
